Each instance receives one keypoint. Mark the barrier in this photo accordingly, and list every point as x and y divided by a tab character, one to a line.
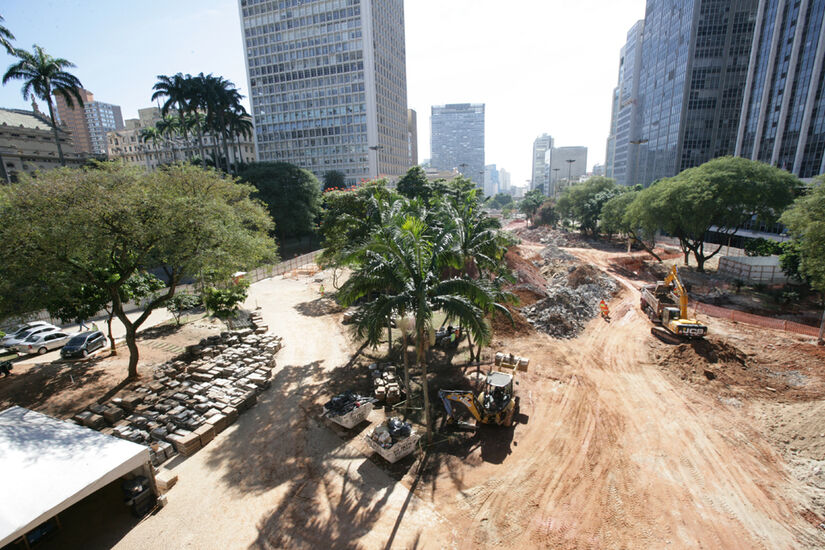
757	320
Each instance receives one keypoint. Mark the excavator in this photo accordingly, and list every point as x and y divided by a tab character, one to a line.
497	404
659	303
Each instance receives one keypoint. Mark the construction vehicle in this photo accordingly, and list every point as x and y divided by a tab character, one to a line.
496	404
666	303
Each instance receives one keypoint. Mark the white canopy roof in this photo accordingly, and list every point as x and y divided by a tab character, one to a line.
47	465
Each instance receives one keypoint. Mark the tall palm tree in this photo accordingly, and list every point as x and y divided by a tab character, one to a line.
6	37
169	127
221	97
42	76
177	90
402	269
240	125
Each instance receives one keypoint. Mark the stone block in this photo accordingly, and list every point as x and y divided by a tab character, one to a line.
206	432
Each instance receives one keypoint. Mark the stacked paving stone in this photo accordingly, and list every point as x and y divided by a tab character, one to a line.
385	383
189	402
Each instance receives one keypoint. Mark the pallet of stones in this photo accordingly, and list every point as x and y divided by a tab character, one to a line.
385	383
189	403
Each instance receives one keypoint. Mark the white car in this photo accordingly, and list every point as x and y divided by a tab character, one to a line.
41	342
20	338
25	327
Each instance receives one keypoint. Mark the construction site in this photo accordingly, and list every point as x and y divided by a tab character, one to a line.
581	427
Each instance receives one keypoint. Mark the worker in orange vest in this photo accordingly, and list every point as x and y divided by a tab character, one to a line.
605	309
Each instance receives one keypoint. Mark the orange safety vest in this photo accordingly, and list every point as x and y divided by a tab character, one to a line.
603	307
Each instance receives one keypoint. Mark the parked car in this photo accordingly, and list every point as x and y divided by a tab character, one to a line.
20	338
41	342
81	345
16	333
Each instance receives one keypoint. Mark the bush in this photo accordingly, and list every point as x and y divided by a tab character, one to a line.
762	247
182	302
223	302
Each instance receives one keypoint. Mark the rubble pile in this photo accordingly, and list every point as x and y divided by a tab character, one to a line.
572	300
344	403
390	432
386	385
189	403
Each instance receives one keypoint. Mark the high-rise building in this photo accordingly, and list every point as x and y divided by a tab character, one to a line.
598	169
783	111
610	150
694	59
541	145
564	164
491	183
90	123
412	136
457	140
328	84
504	181
622	151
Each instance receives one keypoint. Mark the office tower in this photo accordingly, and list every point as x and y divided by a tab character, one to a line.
541	145
784	101
457	140
611	136
624	147
412	136
504	181
598	169
491	183
694	67
328	84
90	123
565	165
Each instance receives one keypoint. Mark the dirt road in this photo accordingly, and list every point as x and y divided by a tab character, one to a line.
280	478
614	455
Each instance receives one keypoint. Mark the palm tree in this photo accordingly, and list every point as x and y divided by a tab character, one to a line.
221	97
177	90
150	134
239	125
169	127
42	76
402	268
5	37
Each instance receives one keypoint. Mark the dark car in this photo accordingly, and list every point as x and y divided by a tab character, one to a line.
81	345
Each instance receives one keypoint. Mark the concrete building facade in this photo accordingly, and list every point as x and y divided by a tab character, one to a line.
504	183
457	140
27	144
541	145
694	66
491	182
412	136
89	124
564	165
783	112
327	83
627	119
129	145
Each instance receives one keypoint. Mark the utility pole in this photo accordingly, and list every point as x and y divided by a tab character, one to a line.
569	169
556	181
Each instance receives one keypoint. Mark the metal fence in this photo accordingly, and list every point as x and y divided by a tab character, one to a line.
267	271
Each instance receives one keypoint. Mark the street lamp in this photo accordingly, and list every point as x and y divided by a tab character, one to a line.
376	148
569	169
636	142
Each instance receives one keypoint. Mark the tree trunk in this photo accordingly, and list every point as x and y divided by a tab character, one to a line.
423	365
820	340
111	338
54	126
225	145
406	360
389	336
134	353
200	144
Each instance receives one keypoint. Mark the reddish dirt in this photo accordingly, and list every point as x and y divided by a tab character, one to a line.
521	262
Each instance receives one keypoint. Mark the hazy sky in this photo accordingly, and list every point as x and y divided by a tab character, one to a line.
539	65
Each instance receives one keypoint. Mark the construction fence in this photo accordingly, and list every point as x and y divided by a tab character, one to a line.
758	320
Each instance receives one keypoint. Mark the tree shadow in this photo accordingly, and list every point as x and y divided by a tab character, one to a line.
318	307
159	331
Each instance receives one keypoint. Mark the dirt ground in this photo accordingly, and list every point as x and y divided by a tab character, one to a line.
621	441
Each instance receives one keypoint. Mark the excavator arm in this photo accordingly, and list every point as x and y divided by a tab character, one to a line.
464	397
678	291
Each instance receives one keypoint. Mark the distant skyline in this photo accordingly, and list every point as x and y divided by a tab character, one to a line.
537	66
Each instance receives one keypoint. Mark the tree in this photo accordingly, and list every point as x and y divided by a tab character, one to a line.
499	201
547	213
414	184
101	226
725	193
178	92
181	302
44	76
762	247
403	263
223	302
583	202
292	195
6	37
334	179
531	202
805	220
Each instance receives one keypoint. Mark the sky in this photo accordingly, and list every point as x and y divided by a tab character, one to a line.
540	66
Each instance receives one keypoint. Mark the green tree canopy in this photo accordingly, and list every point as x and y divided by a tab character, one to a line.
292	194
531	202
500	200
334	179
582	203
805	220
101	226
414	184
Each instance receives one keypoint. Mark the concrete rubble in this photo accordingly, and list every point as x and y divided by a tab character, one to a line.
191	401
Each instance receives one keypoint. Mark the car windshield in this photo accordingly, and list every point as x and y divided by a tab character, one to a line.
33	337
77	340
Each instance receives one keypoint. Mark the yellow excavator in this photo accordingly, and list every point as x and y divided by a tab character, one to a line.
659	302
497	404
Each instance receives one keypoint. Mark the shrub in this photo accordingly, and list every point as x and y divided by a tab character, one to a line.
182	302
223	302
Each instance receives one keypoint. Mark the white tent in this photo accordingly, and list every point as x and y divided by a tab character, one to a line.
48	465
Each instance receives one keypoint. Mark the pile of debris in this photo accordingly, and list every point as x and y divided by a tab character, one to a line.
344	403
189	403
386	385
390	432
572	300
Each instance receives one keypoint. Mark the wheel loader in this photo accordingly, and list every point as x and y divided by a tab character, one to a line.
659	302
496	404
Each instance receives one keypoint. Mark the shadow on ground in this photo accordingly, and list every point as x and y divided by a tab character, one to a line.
318	307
